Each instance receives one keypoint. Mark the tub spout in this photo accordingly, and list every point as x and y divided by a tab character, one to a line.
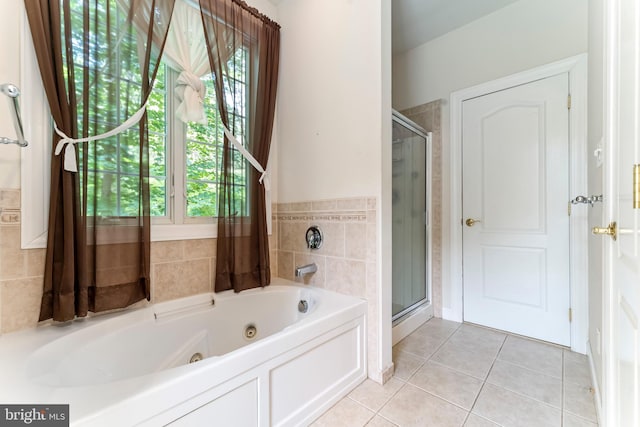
306	269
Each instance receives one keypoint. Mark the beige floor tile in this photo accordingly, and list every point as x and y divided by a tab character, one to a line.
576	368
465	358
346	413
447	384
579	401
439	370
421	345
436	327
378	421
570	420
533	355
532	384
373	395
478	338
508	409
414	407
477	421
405	364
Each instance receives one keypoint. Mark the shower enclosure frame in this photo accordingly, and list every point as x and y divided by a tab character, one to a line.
411	317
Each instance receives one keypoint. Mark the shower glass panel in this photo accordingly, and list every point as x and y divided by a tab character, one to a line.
409	216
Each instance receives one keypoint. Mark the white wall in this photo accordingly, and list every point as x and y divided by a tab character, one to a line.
515	38
329	99
10	30
518	37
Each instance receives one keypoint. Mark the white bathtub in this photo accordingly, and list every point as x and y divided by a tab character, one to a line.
133	368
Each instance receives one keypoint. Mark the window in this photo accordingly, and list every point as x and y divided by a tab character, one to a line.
195	153
203	147
184	158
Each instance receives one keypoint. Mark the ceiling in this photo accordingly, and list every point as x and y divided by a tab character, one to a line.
415	22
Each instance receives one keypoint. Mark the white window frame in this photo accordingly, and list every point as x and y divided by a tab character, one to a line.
35	162
176	225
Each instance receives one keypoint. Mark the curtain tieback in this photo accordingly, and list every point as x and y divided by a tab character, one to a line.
190	92
68	143
264	178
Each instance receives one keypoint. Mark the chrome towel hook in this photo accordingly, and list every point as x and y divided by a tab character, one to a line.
13	92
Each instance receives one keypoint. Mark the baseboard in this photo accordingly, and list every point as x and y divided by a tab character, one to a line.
596	384
451	314
388	373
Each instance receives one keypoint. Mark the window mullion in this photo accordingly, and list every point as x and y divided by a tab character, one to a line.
177	136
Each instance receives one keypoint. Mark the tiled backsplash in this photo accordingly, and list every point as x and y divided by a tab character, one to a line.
347	258
21	271
9	206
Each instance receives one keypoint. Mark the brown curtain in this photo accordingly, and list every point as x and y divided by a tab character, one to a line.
98	69
243	52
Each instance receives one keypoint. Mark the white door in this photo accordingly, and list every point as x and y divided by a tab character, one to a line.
622	256
515	149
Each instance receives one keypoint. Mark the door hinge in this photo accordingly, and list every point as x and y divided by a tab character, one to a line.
569	101
570	315
569	208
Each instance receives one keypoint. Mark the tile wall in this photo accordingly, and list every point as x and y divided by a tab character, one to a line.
21	271
191	263
347	258
428	116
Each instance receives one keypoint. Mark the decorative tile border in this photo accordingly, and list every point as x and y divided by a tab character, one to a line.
334	210
10	206
333	216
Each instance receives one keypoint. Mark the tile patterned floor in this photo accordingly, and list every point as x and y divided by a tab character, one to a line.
452	374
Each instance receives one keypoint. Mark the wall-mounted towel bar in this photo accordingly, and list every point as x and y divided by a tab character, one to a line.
13	92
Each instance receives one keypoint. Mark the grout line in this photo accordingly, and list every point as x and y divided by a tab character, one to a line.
446	340
385	418
526	368
580	417
484	382
561	409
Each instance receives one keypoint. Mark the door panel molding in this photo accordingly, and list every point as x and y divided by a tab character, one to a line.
519	204
576	66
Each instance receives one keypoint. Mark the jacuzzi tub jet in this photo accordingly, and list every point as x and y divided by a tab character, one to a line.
250	332
196	357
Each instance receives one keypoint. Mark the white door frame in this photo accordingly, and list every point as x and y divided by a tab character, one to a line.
576	66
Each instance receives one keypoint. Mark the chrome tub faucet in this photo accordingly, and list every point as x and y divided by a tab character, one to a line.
306	269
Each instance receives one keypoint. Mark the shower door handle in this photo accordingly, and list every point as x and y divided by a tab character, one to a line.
470	222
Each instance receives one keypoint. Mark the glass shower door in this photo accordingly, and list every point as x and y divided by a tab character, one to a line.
409	216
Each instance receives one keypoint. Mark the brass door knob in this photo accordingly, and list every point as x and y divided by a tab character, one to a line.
470	222
611	230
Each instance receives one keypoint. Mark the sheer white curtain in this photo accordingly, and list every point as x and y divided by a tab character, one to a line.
186	51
